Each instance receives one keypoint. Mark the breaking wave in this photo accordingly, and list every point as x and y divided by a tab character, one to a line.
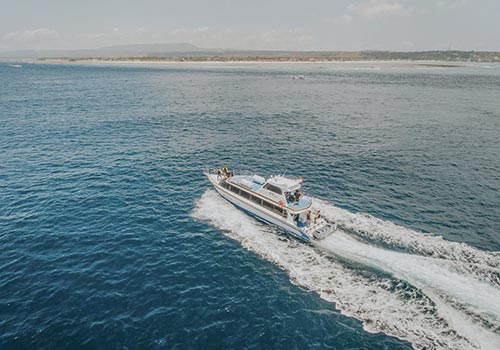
434	293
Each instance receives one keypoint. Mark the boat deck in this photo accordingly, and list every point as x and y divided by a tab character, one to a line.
301	204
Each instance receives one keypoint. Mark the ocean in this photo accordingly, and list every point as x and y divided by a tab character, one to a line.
111	236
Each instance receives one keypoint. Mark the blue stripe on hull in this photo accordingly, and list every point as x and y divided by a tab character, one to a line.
303	236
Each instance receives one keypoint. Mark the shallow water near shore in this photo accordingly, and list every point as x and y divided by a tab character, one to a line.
111	236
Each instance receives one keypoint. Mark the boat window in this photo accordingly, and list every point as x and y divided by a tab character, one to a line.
234	189
274	208
245	194
256	199
273	188
267	205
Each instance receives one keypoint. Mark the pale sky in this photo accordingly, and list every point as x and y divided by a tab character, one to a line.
253	24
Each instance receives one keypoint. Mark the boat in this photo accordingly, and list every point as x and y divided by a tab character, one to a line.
276	200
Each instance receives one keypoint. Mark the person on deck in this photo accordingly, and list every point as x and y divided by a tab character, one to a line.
318	215
297	196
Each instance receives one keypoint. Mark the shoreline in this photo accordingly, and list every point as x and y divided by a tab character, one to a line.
423	63
320	64
448	57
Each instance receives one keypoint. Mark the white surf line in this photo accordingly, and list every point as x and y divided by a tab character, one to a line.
427	321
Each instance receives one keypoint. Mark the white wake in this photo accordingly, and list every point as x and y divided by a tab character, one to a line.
442	295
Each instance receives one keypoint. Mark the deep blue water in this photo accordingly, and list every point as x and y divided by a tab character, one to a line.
101	170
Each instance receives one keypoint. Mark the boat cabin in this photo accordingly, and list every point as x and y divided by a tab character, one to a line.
282	193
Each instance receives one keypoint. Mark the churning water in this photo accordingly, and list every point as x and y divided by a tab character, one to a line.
448	302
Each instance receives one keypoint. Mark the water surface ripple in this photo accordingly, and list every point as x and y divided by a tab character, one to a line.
110	238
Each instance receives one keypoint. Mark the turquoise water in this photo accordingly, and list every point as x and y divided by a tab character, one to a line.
112	238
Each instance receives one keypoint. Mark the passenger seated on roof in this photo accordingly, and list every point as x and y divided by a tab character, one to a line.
225	172
297	196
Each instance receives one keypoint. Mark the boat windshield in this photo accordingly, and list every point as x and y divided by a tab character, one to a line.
273	188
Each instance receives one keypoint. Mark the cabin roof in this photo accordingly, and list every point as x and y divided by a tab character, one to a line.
284	183
239	178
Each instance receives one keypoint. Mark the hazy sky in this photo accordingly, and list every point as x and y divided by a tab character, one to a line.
253	24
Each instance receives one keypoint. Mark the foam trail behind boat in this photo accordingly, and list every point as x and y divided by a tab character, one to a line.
484	265
433	276
424	300
420	271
